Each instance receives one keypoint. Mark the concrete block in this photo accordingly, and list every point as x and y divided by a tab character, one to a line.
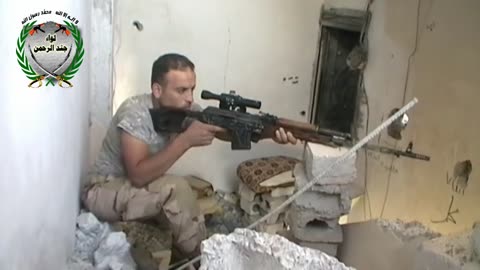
251	250
282	191
272	228
316	231
367	246
319	157
251	208
322	233
299	217
324	205
268	203
246	193
330	249
391	245
350	190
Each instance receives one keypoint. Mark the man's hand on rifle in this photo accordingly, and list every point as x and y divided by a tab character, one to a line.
283	137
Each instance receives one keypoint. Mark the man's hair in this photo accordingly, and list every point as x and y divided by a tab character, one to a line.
167	62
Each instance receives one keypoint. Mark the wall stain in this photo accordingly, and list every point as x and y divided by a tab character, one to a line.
449	217
461	174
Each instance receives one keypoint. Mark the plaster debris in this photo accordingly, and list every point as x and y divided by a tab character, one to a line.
250	250
459	247
98	248
113	253
407	231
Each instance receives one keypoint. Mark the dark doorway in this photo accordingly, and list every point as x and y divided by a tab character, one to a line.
336	86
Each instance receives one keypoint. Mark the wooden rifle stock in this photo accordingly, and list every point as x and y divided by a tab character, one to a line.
305	132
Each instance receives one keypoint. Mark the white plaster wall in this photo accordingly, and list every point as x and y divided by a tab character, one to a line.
247	46
101	79
444	77
43	142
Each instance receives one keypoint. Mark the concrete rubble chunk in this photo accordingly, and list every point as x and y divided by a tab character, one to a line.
330	249
319	158
456	249
98	247
246	249
251	208
324	205
88	236
246	193
114	253
350	190
283	179
407	231
323	234
301	217
282	191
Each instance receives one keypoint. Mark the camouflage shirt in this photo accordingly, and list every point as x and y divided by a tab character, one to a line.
133	117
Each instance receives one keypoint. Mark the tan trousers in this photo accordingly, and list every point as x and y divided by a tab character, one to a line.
168	199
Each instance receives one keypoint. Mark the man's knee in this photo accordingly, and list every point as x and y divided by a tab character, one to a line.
182	192
101	202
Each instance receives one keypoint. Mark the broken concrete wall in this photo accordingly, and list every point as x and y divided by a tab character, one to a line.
249	250
442	73
393	244
314	216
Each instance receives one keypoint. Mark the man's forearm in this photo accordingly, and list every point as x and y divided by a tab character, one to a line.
157	165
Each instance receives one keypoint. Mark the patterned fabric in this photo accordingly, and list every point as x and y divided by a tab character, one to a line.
254	171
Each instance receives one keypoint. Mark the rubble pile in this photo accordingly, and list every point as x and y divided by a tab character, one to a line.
248	249
265	184
313	217
98	247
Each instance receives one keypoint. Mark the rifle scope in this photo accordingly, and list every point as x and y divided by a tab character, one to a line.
232	101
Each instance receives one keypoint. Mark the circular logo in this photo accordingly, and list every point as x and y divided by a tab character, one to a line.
50	51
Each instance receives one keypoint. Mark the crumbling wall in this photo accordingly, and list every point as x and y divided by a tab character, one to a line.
398	245
249	250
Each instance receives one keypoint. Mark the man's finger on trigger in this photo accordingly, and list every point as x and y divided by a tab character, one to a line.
284	135
219	129
214	128
291	138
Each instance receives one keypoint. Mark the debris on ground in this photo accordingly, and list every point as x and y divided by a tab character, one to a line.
248	249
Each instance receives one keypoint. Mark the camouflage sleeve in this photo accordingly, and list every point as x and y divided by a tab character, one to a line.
135	122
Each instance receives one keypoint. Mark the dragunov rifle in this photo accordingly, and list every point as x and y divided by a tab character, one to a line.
243	127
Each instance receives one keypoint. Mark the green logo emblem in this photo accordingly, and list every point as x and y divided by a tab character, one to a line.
50	52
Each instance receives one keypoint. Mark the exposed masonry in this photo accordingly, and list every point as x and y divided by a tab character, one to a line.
313	217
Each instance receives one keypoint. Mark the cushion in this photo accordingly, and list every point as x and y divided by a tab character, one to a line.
252	172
